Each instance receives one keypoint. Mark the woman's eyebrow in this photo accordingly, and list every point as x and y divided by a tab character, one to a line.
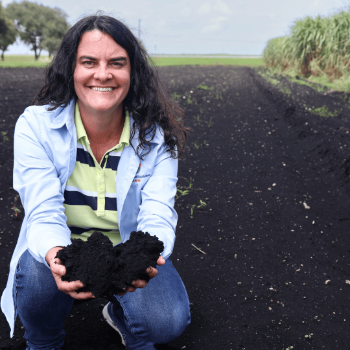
87	58
94	59
118	59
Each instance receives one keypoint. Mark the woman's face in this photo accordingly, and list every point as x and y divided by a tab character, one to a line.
102	73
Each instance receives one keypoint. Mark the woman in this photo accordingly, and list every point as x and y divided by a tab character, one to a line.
98	151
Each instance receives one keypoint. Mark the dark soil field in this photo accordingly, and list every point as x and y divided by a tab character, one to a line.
263	241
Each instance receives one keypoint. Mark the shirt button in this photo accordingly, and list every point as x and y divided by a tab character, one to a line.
101	188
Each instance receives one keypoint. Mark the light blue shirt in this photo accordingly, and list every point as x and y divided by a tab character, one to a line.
45	145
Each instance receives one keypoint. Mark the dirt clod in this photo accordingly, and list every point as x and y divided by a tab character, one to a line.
106	270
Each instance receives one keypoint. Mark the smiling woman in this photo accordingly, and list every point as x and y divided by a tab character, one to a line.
97	152
101	82
101	75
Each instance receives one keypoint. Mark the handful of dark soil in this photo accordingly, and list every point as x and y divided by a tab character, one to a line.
106	270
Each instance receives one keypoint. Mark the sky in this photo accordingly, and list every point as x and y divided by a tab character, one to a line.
238	27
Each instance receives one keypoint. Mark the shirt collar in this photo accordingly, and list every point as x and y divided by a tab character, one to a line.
63	116
79	124
125	136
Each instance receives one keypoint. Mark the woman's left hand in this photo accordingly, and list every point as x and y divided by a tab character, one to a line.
151	271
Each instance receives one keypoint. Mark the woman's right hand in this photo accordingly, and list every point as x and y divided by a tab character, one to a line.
58	270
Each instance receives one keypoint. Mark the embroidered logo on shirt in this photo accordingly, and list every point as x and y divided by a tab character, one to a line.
138	177
138	170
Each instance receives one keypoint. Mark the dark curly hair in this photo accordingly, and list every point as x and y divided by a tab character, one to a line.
147	100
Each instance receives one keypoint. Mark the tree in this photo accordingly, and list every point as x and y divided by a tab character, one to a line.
55	31
35	23
8	32
3	27
9	38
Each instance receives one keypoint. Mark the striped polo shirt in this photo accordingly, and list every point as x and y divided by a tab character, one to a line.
90	198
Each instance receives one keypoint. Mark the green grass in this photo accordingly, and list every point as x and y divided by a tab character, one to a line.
24	61
268	75
320	84
324	112
204	87
29	61
200	61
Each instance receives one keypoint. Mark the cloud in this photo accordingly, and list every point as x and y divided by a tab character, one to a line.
222	7
220	19
326	5
186	12
204	9
218	6
215	25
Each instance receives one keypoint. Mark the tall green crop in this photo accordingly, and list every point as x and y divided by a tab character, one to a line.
277	53
307	40
320	44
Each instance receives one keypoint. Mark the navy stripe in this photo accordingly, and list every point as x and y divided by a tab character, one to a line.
110	204
103	161
85	157
79	230
112	162
77	198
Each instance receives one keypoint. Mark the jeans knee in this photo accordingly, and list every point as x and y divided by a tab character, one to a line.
35	291
32	281
169	325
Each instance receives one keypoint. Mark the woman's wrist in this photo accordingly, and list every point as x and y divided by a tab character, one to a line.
50	255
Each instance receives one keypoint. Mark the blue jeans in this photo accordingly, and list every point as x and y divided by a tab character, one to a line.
158	313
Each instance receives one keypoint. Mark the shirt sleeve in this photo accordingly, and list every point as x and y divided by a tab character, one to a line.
157	214
36	180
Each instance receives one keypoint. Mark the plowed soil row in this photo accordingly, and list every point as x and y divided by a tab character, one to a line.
263	234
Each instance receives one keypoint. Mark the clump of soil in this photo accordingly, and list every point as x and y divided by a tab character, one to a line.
106	270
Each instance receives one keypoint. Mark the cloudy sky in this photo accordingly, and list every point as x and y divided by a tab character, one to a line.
239	27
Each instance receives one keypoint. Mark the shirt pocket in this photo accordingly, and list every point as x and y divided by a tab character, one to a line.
141	179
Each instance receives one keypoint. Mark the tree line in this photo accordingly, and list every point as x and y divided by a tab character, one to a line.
38	26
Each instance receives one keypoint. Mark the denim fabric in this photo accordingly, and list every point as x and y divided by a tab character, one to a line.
160	312
39	304
157	313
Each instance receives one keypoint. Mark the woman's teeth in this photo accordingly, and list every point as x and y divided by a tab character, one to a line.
101	89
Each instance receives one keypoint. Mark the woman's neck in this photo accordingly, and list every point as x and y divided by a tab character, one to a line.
102	127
